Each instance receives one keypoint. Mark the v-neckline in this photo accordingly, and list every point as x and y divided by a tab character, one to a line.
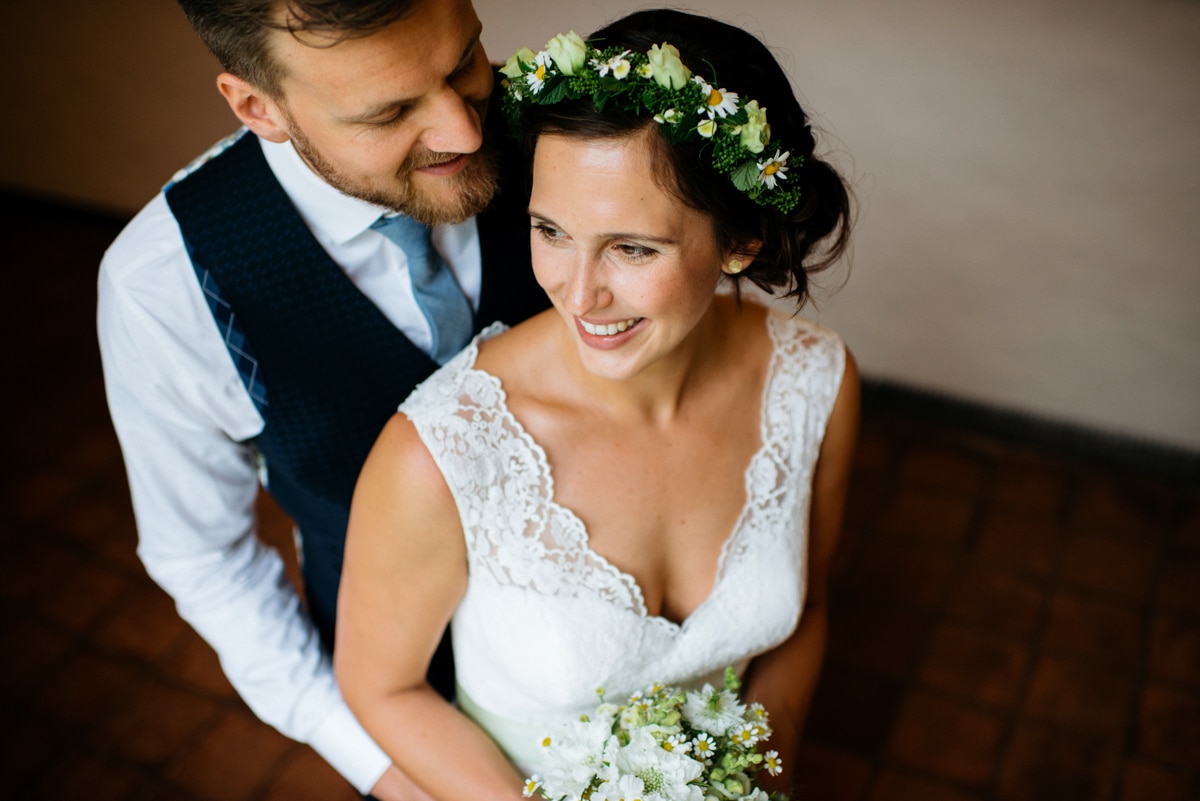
763	452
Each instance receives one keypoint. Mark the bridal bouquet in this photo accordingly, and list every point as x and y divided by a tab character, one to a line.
663	744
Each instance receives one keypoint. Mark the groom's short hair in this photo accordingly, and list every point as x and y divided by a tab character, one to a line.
236	31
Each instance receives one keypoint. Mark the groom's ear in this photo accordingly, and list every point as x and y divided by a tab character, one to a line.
255	108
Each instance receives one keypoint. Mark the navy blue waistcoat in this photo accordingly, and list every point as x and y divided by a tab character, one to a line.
334	367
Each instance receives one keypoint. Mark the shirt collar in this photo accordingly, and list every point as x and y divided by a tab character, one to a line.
324	209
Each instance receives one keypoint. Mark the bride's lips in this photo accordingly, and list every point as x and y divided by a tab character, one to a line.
605	341
443	168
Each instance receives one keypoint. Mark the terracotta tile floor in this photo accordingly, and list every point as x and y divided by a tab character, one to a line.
1009	622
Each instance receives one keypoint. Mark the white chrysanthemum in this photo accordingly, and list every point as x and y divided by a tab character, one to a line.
625	787
772	763
573	757
773	169
704	747
712	710
717	102
541	65
665	774
618	65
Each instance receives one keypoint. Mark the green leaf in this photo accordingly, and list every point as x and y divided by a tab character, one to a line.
745	176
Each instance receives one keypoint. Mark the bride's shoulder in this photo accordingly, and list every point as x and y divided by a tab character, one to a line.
512	352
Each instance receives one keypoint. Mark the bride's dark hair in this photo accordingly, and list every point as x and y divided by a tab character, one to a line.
794	245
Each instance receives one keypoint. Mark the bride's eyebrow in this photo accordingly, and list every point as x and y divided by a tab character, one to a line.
542	219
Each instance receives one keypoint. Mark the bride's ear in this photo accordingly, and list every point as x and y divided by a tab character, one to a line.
741	256
257	111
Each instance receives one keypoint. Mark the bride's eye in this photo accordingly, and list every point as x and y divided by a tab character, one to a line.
634	252
548	233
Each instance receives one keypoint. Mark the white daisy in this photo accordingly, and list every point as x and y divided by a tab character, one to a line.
531	785
773	169
717	102
618	65
704	747
746	735
537	78
678	743
772	763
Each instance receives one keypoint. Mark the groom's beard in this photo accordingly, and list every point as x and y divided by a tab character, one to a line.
473	186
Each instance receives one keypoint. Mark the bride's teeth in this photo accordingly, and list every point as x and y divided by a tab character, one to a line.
607	330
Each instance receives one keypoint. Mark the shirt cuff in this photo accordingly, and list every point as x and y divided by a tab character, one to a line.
343	743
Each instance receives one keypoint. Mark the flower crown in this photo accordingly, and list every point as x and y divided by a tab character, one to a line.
685	106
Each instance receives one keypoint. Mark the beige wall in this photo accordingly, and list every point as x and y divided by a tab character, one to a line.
1028	173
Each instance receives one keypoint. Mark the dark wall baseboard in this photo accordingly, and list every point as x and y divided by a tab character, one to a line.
1112	450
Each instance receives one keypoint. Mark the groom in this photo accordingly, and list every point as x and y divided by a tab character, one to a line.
262	318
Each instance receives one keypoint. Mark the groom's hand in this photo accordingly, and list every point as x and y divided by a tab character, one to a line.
395	785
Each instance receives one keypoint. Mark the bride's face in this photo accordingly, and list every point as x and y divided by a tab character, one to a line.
631	269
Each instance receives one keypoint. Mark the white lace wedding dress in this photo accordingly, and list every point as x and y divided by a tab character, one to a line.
546	621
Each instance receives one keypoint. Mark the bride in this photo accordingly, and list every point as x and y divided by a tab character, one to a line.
645	483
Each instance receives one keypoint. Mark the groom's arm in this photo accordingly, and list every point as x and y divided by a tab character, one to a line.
783	680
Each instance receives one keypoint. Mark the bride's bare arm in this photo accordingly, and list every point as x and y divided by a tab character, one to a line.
405	572
783	679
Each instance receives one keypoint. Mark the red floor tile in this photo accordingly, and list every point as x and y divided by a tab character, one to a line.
154	724
918	515
893	786
830	774
943	469
1175	648
1144	781
234	761
1094	629
1169	727
1112	563
307	777
1055	766
1028	483
995	601
1018	541
1087	698
946	740
987	670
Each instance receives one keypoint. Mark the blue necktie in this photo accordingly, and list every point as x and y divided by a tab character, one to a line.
442	301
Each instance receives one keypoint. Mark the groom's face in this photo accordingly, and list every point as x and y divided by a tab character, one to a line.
396	117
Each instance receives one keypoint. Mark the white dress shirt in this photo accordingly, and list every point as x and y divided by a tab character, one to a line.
181	413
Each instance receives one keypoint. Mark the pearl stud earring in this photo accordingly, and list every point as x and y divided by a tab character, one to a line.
734	267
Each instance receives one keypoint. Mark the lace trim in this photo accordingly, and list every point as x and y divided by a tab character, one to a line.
501	478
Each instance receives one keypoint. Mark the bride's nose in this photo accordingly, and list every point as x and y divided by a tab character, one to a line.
585	289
